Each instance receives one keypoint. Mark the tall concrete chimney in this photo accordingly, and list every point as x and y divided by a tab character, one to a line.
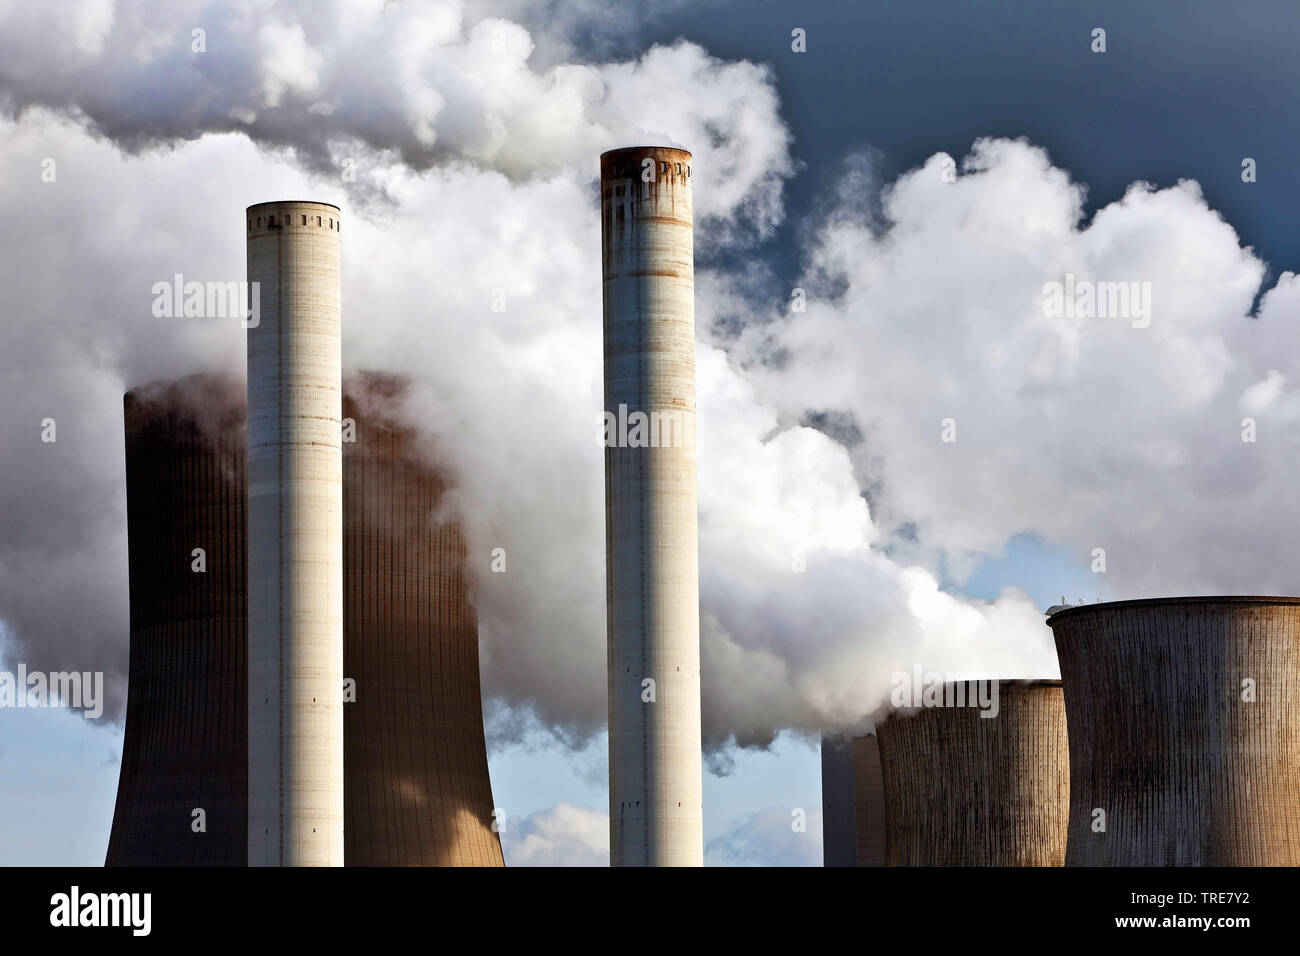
295	538
652	549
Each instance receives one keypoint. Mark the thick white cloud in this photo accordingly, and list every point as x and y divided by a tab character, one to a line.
507	403
288	62
1088	432
804	621
428	81
805	616
489	167
508	399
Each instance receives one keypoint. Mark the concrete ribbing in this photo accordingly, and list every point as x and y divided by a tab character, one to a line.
1187	772
853	801
839	820
186	743
418	792
295	539
652	560
965	790
868	802
415	758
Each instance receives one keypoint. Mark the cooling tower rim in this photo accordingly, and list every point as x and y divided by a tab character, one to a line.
368	377
1006	685
1075	609
207	377
1009	681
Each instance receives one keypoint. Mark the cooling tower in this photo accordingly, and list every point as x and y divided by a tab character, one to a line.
186	743
869	801
418	791
1184	731
966	790
839	841
853	801
295	538
652	553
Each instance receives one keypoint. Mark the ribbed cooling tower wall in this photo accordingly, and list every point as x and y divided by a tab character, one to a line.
186	743
1186	771
839	843
868	801
416	765
417	789
966	790
853	801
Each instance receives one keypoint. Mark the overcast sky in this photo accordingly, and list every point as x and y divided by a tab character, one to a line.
922	173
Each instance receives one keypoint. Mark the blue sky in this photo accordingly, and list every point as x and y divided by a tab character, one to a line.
1184	90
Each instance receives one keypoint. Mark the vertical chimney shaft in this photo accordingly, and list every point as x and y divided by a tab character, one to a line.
652	559
295	538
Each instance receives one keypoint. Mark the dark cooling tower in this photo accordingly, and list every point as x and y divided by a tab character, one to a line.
853	802
869	801
416	774
1184	731
966	790
186	743
839	844
416	788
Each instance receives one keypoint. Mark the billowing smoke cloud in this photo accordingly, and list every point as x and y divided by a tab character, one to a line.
805	618
508	404
510	400
431	104
1162	439
78	331
352	87
479	278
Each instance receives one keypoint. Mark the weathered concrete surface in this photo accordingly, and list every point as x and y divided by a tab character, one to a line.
295	539
966	790
853	801
839	825
1187	772
868	802
652	559
186	742
418	792
416	771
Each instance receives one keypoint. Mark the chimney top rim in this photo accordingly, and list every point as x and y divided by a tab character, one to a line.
293	202
621	151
